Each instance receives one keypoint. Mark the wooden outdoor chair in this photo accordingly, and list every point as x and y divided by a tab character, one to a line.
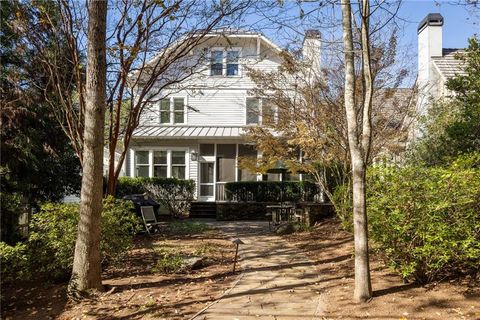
149	219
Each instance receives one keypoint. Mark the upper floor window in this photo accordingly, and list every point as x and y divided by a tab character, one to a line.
253	110
232	63
172	110
216	63
224	62
261	111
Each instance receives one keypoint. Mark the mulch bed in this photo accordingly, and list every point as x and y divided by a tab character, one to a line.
332	249
134	289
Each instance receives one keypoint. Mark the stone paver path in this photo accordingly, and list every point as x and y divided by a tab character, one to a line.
277	282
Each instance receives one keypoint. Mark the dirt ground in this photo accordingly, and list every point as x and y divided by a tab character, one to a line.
134	290
332	249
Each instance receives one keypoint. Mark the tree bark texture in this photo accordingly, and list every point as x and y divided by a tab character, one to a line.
363	289
86	273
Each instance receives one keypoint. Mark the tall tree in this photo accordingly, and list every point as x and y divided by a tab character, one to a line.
359	132
86	273
307	109
37	161
151	48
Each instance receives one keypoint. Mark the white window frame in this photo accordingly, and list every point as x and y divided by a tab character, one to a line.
172	111
274	112
260	111
169	150
135	164
225	50
159	165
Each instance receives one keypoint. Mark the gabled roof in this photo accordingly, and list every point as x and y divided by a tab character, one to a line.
219	32
448	65
188	132
241	33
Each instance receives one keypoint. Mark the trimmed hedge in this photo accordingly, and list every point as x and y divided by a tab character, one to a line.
271	191
228	211
129	185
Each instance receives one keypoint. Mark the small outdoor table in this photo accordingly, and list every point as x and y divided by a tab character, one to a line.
281	213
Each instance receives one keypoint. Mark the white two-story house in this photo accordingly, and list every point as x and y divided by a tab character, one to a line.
197	132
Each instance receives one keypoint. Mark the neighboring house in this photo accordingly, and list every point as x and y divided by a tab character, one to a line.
435	63
196	132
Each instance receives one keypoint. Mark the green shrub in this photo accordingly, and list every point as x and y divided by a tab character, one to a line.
137	185
129	185
14	262
51	242
271	191
187	227
426	221
206	249
176	195
168	262
343	201
119	225
291	227
10	207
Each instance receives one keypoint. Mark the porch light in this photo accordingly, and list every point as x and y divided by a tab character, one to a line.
194	156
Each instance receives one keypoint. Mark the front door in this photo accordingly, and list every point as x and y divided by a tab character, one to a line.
207	185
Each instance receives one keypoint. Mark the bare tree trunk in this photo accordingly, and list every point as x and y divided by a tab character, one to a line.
86	273
363	289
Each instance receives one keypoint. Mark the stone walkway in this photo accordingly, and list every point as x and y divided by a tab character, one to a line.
277	280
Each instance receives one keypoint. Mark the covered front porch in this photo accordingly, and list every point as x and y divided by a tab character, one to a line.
219	163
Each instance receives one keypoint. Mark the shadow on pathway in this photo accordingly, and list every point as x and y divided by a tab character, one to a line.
277	282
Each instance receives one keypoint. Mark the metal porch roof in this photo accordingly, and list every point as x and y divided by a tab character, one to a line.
187	132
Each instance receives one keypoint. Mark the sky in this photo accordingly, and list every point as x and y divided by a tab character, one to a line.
285	28
459	23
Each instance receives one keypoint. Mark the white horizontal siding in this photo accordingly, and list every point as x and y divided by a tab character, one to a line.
217	107
219	100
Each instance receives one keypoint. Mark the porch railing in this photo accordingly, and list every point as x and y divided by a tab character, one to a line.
220	194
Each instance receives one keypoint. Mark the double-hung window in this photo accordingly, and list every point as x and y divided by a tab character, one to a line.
178	110
268	112
142	165
253	110
178	164
216	63
172	111
166	163
232	62
165	111
225	62
160	164
261	111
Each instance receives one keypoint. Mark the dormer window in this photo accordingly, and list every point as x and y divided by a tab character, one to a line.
225	62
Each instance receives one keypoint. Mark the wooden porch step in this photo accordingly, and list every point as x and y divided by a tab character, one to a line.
199	209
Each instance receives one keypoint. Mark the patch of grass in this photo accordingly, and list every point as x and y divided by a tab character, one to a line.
150	303
187	227
169	261
205	249
290	228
